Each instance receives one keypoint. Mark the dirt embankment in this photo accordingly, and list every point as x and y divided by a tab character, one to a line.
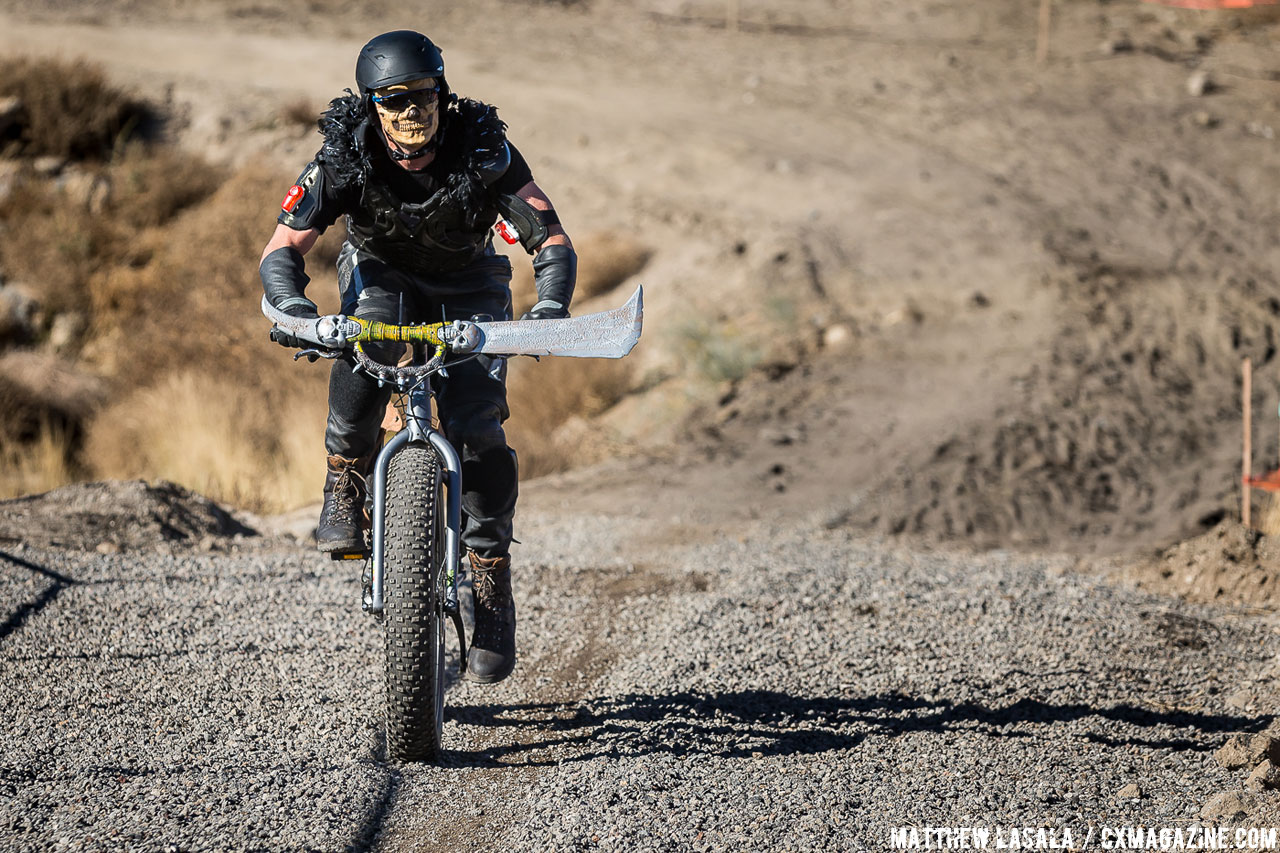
114	516
1085	395
119	357
1230	564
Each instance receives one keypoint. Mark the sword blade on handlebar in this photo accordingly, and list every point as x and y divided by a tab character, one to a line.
330	331
606	334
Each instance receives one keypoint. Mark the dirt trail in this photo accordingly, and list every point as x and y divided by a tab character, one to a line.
784	685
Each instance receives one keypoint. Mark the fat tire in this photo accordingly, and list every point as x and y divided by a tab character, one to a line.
414	618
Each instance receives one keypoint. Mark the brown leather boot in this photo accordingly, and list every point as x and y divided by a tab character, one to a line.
342	518
493	643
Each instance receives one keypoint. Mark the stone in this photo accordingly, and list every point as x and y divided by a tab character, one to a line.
1242	699
909	313
66	330
48	165
1118	43
1235	753
1227	806
837	336
1129	792
107	548
10	113
1257	128
19	311
1246	750
1265	777
85	189
1199	83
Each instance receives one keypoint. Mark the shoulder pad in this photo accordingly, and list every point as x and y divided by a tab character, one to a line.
493	168
303	199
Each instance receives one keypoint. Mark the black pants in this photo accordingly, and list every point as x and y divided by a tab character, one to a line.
472	402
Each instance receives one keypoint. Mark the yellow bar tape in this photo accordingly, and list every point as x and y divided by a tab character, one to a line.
372	331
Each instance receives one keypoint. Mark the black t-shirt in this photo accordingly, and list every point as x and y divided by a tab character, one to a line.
315	201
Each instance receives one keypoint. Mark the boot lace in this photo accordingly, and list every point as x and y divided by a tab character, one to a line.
484	586
494	617
346	495
490	603
491	594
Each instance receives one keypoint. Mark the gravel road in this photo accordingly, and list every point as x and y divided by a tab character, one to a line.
681	686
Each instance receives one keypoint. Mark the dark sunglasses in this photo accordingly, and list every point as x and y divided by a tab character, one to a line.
400	101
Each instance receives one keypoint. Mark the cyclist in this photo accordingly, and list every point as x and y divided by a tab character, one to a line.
422	176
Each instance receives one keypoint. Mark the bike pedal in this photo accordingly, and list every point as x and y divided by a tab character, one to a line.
348	555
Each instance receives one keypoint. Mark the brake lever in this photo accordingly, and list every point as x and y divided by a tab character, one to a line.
312	354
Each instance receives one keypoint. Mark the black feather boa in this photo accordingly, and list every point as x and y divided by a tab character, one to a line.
470	128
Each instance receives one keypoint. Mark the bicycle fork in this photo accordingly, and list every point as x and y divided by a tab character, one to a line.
418	428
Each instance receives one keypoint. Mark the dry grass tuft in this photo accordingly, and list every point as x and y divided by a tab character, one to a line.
257	448
50	246
41	462
172	289
607	259
545	395
149	187
43	405
67	109
55	242
193	296
300	113
217	407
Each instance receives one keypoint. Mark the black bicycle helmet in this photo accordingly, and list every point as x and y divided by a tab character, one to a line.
398	57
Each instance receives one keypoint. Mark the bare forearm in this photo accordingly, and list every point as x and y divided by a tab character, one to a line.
286	237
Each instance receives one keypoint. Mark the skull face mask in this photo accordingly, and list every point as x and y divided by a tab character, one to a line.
409	112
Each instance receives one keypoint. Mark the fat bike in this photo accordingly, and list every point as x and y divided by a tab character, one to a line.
413	559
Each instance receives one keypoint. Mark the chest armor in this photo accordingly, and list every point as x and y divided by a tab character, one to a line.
448	230
437	235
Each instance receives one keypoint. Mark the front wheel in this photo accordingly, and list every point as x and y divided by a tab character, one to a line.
414	615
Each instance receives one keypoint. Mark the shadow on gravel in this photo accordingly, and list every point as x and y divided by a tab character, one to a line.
366	836
762	723
26	611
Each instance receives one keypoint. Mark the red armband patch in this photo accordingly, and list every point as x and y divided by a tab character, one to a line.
291	198
507	231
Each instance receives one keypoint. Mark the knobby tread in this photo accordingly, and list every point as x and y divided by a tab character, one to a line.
414	627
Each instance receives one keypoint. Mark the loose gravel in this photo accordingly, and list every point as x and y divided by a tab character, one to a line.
681	687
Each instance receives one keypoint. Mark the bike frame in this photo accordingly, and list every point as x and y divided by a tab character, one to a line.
418	429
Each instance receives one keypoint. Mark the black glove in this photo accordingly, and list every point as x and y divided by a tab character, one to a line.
296	309
555	270
543	311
